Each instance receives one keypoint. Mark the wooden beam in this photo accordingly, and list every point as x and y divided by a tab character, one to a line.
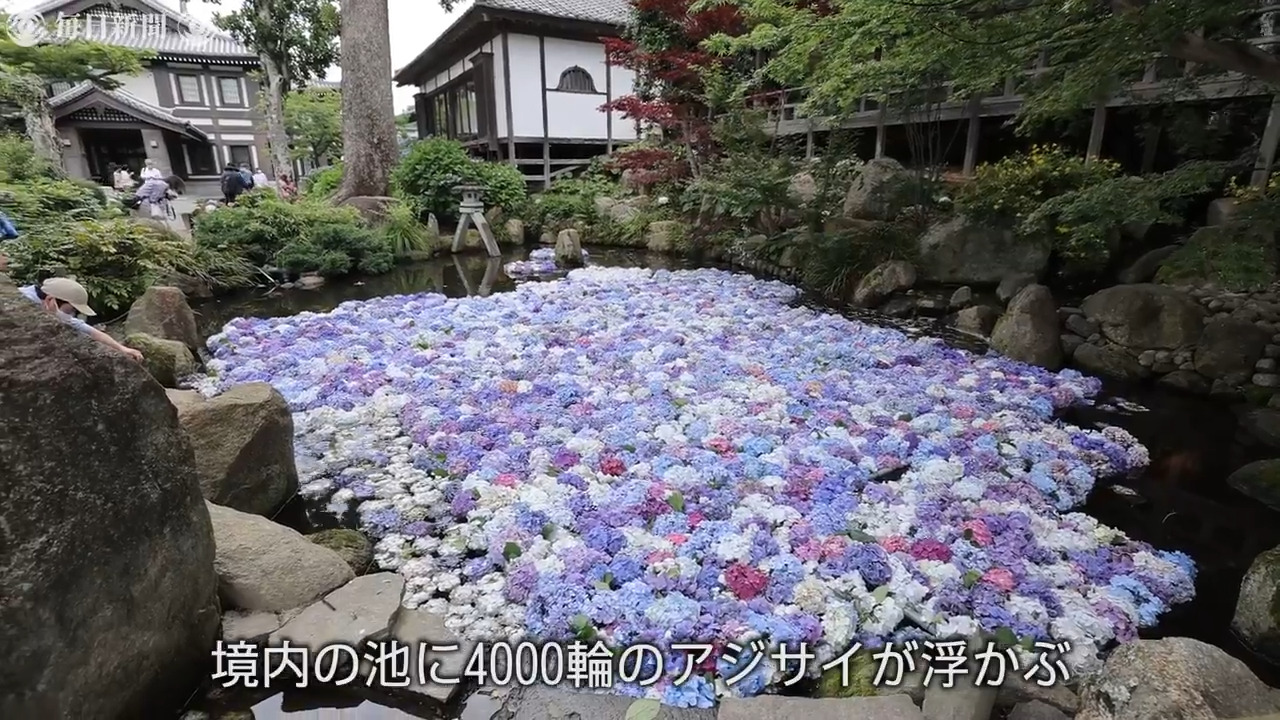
506	88
1267	148
608	95
808	143
1095	133
880	134
546	127
971	138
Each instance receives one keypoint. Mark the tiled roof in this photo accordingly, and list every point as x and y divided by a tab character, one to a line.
612	12
152	31
143	109
603	12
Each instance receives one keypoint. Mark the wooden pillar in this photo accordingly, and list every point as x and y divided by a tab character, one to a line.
971	138
880	133
506	89
608	98
546	128
1267	149
1095	133
808	142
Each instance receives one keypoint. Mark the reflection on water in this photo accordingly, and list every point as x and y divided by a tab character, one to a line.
1180	502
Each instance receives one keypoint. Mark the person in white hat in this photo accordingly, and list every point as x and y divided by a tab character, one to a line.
66	298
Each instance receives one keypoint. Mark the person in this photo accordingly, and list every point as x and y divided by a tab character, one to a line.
122	180
288	190
65	298
155	193
247	175
260	178
233	184
150	171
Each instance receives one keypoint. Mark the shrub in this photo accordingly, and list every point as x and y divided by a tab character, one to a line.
323	183
41	200
403	233
1231	258
20	163
336	250
568	201
748	190
833	261
1013	188
427	176
116	258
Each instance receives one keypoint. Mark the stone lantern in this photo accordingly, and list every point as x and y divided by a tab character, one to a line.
471	210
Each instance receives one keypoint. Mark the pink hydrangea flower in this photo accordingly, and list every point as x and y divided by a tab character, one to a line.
894	543
834	546
977	532
658	556
999	577
696	518
678	538
745	581
930	549
720	445
612	466
809	550
507	480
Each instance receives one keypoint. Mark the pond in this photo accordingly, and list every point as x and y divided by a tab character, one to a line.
1180	502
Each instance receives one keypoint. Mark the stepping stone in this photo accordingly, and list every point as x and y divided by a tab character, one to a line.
963	701
539	702
773	707
363	608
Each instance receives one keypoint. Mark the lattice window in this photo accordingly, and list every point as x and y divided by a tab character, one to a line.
575	79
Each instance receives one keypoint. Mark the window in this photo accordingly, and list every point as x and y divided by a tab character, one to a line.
241	155
463	100
229	91
200	159
189	90
575	79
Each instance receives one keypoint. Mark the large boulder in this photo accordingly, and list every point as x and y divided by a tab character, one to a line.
1261	424
661	235
1229	346
977	320
1144	269
568	248
163	312
1173	679
265	566
1146	317
1108	361
1259	480
884	280
167	360
106	552
351	545
802	188
243	441
1028	330
1257	617
963	251
877	190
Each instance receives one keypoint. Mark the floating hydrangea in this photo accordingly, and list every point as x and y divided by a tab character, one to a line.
541	262
665	457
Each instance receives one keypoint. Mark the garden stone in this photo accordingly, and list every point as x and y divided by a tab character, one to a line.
166	360
963	701
1216	305
515	231
1147	358
363	608
1262	424
979	319
603	204
351	545
623	212
193	287
106	551
884	280
1082	326
1010	285
961	298
1266	380
802	187
1220	212
1108	361
899	307
250	627
163	312
309	281
1144	269
540	702
546	238
265	566
961	251
1036	710
1271	351
1070	343
661	235
1259	480
773	707
419	628
433	226
1016	690
1146	316
243	443
569	248
1028	330
876	192
1265	365
1256	620
1173	678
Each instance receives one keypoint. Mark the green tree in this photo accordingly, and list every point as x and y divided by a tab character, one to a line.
847	50
313	117
26	71
296	42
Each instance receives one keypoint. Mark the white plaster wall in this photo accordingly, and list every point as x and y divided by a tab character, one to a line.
526	86
499	86
623	84
142	85
575	115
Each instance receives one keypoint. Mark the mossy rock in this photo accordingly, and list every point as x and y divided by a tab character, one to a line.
1257	616
351	545
1259	480
1224	257
166	360
862	671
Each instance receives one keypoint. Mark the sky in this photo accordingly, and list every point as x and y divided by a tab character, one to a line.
414	25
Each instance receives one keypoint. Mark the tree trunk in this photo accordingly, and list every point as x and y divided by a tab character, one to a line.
38	117
368	117
277	135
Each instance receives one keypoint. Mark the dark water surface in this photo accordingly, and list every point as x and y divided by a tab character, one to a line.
1180	502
